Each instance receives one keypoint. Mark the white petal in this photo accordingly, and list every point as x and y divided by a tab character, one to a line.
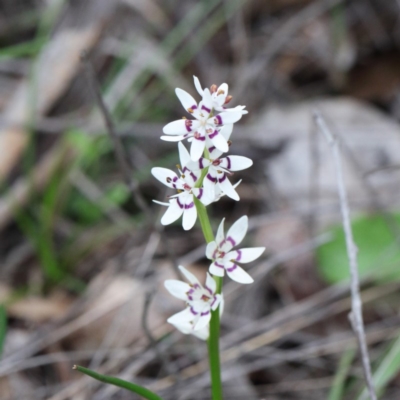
209	188
220	237
228	117
245	255
236	163
217	302
198	85
226	131
184	155
189	276
202	334
172	138
217	269
161	203
178	289
187	101
220	99
172	214
219	141
180	127
181	318
238	274
237	232
206	104
227	188
221	304
210	284
189	218
203	320
167	177
197	149
211	247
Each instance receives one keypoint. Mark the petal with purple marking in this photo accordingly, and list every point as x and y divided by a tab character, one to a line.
178	289
245	255
180	127
189	217
228	117
172	214
187	101
204	319
217	269
167	177
237	232
210	250
219	141
197	148
206	104
238	274
236	163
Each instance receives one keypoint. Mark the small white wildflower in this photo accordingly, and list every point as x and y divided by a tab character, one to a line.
225	259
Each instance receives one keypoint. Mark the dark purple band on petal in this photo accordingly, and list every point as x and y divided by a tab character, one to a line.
223	177
206	287
239	255
219	265
211	149
212	136
219	119
211	178
179	203
193	176
205	313
232	268
203	107
201	138
193	311
200	195
194	107
188	125
230	239
188	206
213	302
229	163
201	165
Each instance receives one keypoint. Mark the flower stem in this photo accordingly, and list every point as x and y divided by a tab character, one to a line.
213	341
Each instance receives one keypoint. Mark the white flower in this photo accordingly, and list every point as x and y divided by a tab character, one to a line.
219	96
200	302
225	259
216	181
205	125
181	203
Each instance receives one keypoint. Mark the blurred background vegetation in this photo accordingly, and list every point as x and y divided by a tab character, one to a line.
82	263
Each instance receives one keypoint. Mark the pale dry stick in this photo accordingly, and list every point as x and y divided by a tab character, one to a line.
355	316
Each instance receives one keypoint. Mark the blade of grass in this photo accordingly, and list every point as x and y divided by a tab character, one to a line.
119	382
337	388
387	369
3	327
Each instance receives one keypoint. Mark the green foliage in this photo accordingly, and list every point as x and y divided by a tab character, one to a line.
3	327
146	393
378	252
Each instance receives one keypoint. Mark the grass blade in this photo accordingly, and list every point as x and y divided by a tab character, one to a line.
120	383
3	327
337	388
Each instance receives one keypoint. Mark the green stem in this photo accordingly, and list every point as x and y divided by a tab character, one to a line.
213	341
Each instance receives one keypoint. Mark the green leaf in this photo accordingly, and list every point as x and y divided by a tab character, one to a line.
3	327
146	393
378	252
387	369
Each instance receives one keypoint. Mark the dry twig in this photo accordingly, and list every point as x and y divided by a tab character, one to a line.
355	316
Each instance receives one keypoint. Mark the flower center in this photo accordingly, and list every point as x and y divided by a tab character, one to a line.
205	298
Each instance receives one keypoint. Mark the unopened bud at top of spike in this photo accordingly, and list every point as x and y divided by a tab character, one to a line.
228	99
213	88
